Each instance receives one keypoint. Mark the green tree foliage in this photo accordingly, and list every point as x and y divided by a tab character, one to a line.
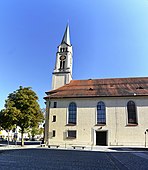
8	119
22	109
36	131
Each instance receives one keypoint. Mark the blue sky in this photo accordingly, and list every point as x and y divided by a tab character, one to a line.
109	38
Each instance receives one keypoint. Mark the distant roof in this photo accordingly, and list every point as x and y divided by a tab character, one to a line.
113	87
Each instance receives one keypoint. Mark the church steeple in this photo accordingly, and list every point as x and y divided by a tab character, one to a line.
66	37
62	73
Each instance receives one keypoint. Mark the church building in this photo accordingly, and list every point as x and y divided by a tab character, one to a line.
94	112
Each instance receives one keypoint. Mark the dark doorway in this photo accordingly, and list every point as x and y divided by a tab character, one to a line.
101	137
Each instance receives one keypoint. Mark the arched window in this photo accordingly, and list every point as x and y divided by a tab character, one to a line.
101	114
131	109
72	113
62	64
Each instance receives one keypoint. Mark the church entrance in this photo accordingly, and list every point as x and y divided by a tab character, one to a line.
101	138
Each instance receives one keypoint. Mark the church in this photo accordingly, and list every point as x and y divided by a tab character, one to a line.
94	112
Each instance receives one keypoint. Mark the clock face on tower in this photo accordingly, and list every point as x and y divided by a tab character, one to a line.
62	57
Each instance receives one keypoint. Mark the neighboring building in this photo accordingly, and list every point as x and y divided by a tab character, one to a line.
12	135
95	111
4	135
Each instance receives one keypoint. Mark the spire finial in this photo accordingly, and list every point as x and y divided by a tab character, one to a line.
66	37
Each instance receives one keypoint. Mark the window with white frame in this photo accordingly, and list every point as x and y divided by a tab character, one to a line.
71	134
72	113
101	113
132	115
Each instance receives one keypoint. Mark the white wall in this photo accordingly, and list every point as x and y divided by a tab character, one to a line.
118	131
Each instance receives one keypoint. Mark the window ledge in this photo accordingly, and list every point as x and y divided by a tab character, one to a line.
71	138
70	124
100	124
132	124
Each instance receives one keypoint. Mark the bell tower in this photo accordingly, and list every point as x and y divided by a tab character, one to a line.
62	73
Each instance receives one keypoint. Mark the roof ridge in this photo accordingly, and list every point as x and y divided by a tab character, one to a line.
110	78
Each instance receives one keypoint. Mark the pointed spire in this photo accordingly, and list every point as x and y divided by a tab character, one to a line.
66	37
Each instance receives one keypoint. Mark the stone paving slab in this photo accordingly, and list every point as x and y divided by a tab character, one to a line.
57	159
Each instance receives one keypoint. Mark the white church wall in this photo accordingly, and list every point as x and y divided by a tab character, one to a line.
118	131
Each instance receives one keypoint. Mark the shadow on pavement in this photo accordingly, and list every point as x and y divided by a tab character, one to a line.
4	143
129	149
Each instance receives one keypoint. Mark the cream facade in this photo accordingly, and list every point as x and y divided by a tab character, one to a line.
117	131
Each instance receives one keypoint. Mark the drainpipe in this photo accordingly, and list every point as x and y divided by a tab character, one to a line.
145	137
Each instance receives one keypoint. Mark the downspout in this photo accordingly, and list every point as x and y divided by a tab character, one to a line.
47	123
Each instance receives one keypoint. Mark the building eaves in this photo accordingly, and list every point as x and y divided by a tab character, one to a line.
119	87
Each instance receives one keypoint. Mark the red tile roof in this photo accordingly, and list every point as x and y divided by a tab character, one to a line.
102	88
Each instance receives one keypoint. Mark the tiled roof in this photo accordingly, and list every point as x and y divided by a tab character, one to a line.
102	88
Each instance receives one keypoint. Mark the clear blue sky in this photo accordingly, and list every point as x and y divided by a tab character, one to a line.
109	38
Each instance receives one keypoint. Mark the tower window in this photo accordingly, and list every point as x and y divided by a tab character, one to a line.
63	49
55	104
62	64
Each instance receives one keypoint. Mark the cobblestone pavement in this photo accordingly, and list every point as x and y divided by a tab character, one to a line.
38	159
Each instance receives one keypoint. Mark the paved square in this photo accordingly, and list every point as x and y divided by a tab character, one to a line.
39	159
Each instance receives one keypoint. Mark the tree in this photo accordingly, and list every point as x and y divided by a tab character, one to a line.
36	131
27	112
8	119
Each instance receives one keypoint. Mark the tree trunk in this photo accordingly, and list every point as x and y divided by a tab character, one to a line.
22	138
8	137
